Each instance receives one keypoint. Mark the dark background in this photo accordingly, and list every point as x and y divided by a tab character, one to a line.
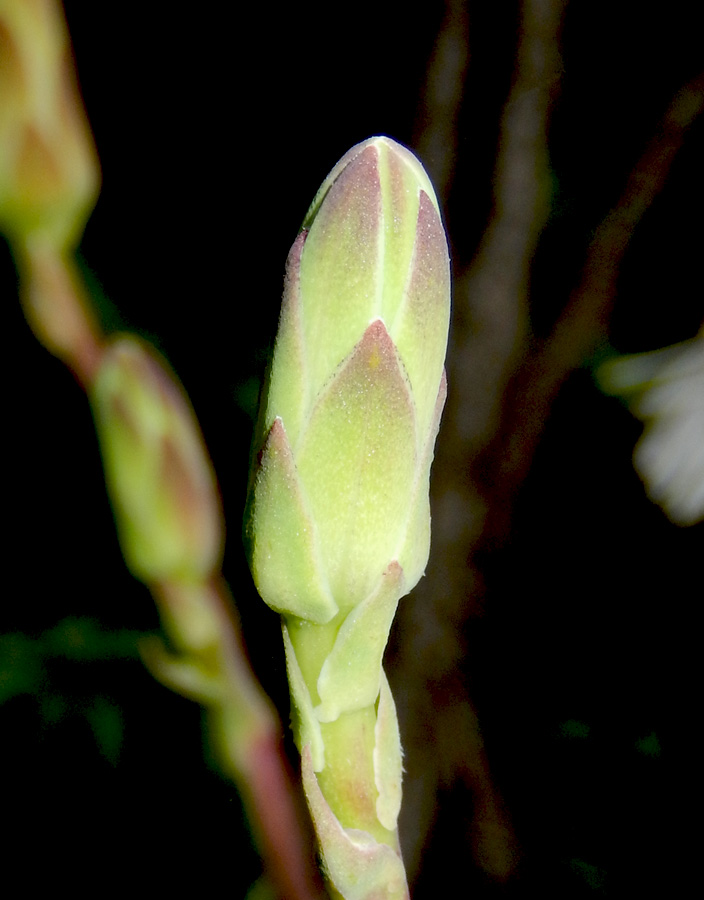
214	131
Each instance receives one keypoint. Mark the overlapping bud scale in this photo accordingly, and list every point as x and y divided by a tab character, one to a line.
352	407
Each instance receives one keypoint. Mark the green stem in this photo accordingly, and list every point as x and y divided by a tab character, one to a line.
348	780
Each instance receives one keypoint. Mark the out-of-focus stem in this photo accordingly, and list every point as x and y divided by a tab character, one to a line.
287	846
56	308
243	726
49	181
212	667
436	125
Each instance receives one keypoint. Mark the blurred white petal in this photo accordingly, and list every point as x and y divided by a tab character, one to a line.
665	389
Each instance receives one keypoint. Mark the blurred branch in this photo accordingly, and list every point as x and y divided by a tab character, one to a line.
584	322
491	431
243	728
489	328
491	316
436	126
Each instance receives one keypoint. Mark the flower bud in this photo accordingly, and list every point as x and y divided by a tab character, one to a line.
49	172
159	477
339	489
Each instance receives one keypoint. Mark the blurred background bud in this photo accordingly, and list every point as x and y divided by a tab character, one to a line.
160	480
49	171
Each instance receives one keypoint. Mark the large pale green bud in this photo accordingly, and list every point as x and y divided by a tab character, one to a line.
338	504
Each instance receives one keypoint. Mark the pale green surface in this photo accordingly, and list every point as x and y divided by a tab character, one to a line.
359	867
285	553
351	674
338	518
356	385
357	461
306	724
388	758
